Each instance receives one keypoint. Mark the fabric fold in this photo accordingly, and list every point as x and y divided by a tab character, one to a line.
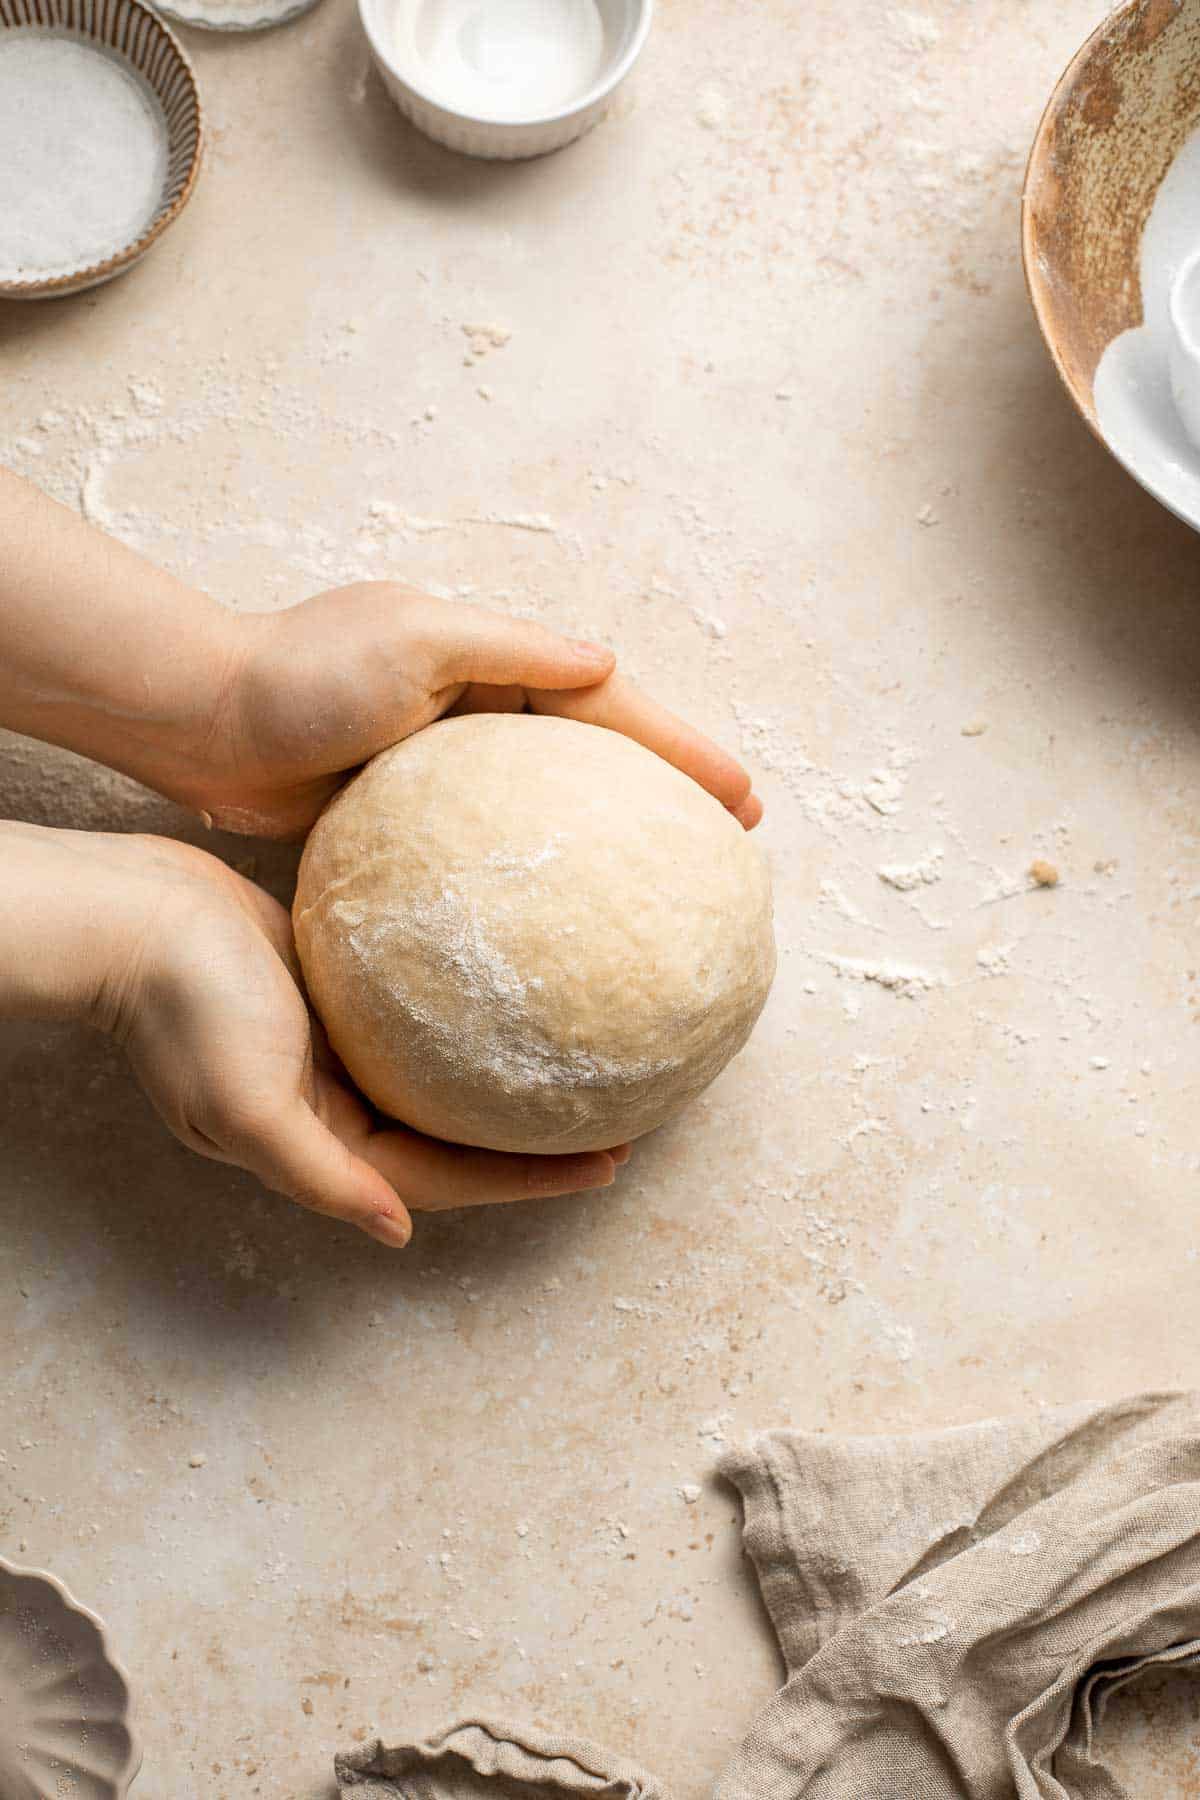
484	1759
954	1608
833	1525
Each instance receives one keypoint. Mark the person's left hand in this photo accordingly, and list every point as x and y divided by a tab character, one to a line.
311	693
199	982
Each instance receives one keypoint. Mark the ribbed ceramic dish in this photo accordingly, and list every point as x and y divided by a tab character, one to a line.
64	1699
627	23
230	15
132	32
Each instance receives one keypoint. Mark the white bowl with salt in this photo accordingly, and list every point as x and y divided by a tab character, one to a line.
100	139
505	78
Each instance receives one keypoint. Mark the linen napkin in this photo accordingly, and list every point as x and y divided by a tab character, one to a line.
483	1759
954	1609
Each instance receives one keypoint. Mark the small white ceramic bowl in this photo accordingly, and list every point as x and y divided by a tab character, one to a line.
439	58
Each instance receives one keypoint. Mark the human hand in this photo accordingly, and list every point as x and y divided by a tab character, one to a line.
192	969
314	691
213	1019
257	719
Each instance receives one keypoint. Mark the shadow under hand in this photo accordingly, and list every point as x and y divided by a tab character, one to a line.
180	1257
95	1187
43	785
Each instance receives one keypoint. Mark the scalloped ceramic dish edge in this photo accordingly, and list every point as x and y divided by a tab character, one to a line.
249	19
57	1626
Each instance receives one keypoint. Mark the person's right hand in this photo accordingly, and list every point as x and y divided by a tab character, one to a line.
193	970
254	720
311	693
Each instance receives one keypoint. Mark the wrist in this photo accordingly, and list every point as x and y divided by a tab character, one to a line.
176	729
105	654
75	908
190	746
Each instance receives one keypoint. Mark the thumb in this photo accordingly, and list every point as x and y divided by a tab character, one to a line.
468	643
297	1155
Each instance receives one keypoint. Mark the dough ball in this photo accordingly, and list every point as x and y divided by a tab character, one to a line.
532	934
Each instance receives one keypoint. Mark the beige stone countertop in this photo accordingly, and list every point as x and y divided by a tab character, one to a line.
773	418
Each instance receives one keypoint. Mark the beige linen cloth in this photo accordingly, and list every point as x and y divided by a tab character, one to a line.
953	1610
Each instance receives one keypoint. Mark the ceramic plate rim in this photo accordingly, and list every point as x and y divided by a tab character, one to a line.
1034	285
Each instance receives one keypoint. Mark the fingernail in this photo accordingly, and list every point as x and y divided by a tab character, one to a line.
592	1174
622	1153
389	1230
572	1177
590	652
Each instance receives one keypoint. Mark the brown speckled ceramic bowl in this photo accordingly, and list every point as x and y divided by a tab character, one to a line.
64	1699
134	34
1113	126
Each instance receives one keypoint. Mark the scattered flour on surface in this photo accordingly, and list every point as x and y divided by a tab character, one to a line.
845	907
914	31
885	790
907	877
899	1339
518	522
710	623
713	1431
898	978
773	746
147	398
712	108
483	338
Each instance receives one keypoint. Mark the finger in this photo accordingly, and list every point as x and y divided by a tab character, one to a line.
298	1155
468	643
331	1077
621	1154
274	921
479	698
620	706
433	1176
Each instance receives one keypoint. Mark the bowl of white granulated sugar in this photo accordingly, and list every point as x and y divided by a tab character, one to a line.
100	136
